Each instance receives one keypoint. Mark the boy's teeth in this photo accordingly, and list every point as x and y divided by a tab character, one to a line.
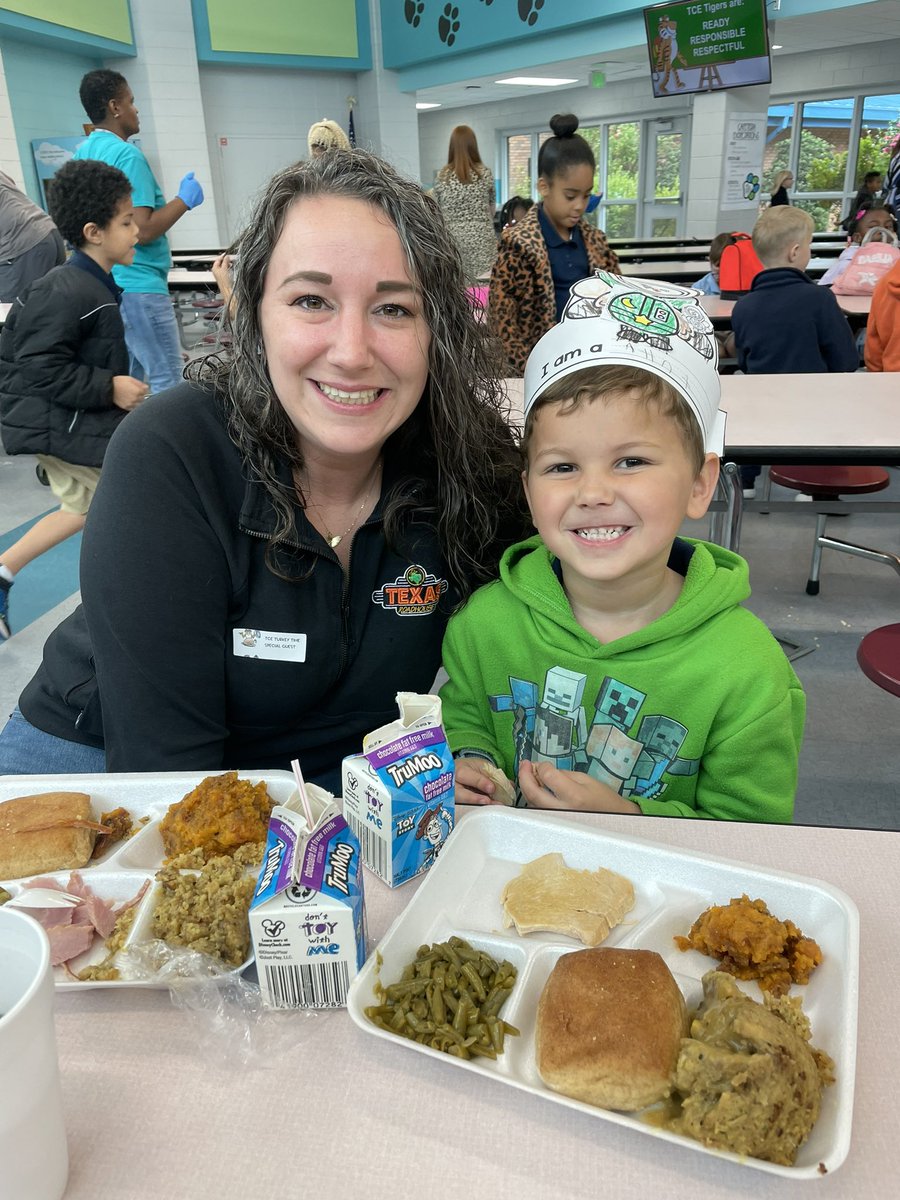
605	534
362	397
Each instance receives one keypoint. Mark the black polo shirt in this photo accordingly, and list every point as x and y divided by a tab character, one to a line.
568	259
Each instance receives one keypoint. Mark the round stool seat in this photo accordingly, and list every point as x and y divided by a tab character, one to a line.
828	483
879	657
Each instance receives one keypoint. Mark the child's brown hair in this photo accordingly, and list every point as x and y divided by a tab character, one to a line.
645	388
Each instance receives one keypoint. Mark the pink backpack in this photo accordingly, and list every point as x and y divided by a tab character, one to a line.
873	259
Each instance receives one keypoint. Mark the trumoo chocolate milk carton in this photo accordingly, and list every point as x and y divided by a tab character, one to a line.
307	915
398	794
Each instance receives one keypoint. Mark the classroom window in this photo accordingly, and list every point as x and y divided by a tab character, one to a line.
518	165
779	135
879	125
639	172
829	145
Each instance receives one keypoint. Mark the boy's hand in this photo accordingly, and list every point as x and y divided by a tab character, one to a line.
128	392
473	785
545	786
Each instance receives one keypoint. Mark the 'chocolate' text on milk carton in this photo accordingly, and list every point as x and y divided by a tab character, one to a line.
398	794
307	916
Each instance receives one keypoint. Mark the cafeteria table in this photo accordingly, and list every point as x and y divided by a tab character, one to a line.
690	270
822	420
719	310
182	277
338	1112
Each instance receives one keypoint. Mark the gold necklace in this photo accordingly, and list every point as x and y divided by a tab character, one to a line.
335	539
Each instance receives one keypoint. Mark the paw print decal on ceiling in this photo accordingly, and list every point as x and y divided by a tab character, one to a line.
529	10
448	24
412	10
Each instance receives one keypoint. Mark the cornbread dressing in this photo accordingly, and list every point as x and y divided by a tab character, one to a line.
206	912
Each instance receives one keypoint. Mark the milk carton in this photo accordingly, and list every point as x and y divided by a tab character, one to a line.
307	915
398	794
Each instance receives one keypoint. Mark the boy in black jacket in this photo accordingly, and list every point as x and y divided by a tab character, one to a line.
64	385
786	324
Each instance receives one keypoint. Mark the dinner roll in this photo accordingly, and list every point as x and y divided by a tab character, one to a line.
609	1028
49	831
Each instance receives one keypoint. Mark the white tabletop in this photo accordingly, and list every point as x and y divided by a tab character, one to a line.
180	277
4	312
342	1113
720	310
668	252
809	418
698	248
696	268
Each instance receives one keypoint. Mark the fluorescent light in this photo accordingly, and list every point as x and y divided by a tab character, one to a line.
777	47
535	81
422	104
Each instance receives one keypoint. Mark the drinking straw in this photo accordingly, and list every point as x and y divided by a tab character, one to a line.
301	788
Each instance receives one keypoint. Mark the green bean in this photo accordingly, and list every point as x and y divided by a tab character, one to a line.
475	979
449	998
461	1016
438	1008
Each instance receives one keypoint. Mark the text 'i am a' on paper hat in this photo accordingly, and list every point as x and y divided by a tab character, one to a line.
613	320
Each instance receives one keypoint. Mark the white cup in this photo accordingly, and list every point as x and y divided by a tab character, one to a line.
34	1159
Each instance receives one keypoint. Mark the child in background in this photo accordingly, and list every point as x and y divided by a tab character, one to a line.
785	324
552	247
612	667
709	284
870	188
514	210
882	345
64	385
873	215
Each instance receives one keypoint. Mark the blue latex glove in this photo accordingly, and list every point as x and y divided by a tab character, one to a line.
189	191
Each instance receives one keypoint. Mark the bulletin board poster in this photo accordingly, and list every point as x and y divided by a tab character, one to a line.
49	155
745	141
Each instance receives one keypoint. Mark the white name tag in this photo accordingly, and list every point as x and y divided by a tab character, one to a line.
263	643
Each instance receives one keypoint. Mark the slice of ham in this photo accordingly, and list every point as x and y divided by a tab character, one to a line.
92	909
71	930
68	941
44	881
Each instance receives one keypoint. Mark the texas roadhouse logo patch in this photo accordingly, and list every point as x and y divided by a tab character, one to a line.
415	593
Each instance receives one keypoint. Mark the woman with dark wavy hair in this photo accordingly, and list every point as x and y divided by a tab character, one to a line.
277	544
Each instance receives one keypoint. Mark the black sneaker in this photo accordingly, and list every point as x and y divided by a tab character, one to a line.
5	630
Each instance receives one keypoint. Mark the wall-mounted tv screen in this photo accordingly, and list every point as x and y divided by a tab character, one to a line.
706	45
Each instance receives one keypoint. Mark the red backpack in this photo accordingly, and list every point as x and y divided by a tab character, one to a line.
738	266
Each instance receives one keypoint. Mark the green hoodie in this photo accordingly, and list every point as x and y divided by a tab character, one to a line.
698	714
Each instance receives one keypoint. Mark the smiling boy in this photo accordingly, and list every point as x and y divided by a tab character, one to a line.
612	667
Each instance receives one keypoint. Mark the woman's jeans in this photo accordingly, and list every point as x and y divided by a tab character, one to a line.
151	334
25	750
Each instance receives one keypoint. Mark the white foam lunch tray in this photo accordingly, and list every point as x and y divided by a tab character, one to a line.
461	895
119	873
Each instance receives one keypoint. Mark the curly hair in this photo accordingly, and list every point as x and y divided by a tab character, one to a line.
566	149
97	89
85	191
459	459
